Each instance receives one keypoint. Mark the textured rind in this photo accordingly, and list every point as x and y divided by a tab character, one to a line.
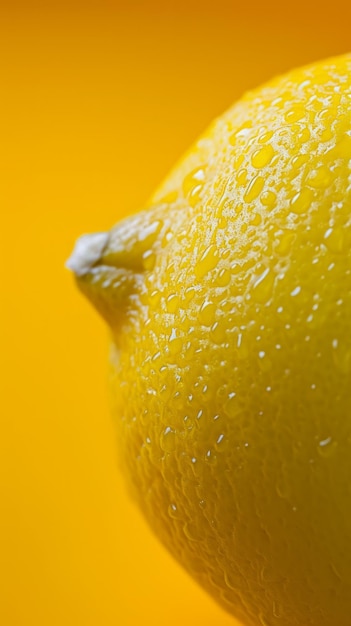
231	378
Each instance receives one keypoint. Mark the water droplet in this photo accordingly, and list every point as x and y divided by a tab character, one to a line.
222	392
319	178
243	131
172	303
189	294
262	156
326	447
168	440
298	160
335	240
223	278
254	188
268	198
210	457
255	219
232	406
263	286
154	297
266	136
218	333
207	313
295	292
302	201
193	179
148	260
342	150
327	133
173	511
294	114
342	357
285	239
194	195
239	161
193	185
241	177
264	363
192	532
175	343
221	443
207	262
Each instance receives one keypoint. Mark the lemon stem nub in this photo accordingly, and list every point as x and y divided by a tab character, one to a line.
87	251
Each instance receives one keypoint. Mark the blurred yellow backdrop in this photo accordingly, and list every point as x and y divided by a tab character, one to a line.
97	102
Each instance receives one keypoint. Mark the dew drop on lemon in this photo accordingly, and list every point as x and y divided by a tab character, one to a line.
268	198
263	286
295	114
334	239
266	136
154	297
207	261
285	240
302	200
327	134
342	149
298	160
168	440
193	179
192	532
149	259
326	447
241	177
319	178
194	195
207	313
172	303
175	344
254	189
173	511
218	332
262	156
223	277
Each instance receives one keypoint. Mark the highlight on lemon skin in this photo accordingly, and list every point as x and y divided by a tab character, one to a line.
229	304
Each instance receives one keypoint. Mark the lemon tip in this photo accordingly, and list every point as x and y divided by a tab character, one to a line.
87	251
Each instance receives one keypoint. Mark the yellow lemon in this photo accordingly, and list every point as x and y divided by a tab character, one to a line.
229	303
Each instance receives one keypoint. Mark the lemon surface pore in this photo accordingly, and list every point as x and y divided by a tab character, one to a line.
229	301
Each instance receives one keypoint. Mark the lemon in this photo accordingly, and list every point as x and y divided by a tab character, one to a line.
229	303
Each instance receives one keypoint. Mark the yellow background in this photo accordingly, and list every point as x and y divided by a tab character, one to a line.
97	102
